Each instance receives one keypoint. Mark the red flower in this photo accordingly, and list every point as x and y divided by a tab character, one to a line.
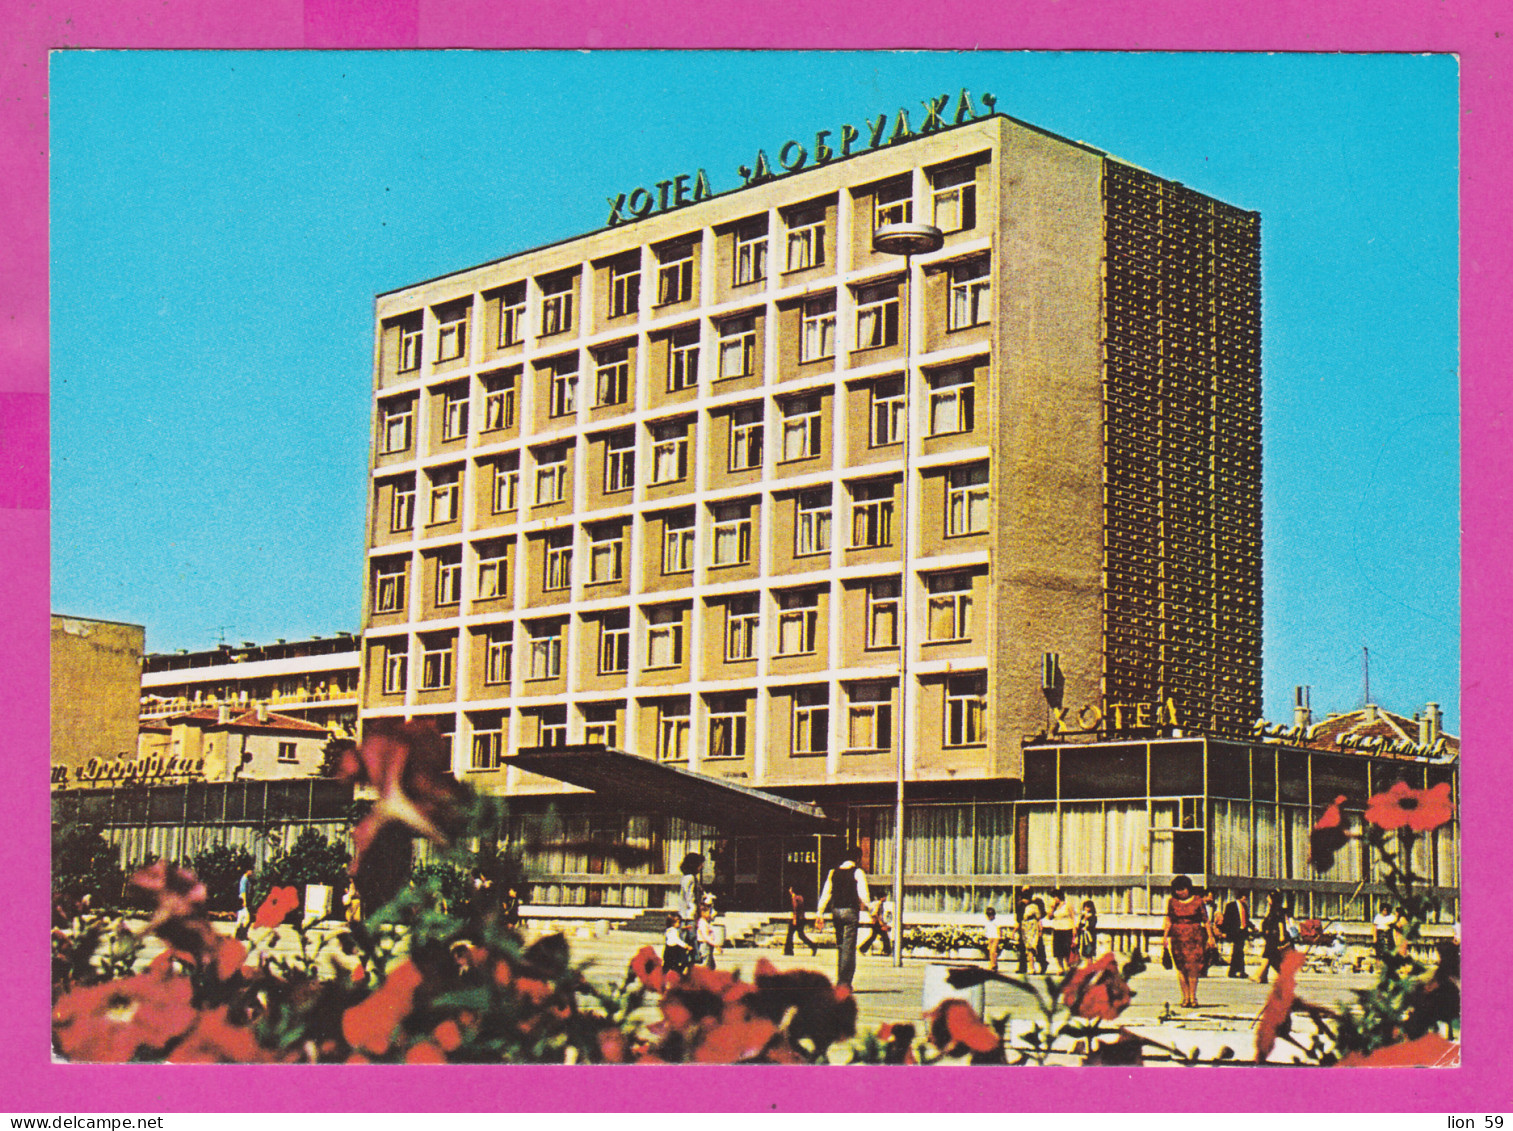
735	1040
822	1013
955	1025
1125	1050
646	966
276	907
1276	1015
124	1019
613	1046
229	954
1328	836
1419	809
1097	990
369	1025
1429	1051
448	1035
425	1052
214	1040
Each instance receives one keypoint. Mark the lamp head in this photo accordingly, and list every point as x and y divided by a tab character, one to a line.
907	239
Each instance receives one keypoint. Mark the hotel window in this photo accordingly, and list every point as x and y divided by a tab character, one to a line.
887	412
389	584
449	576
454	413
402	505
625	286
606	552
732	534
967	500
497	656
812	531
675	273
677	542
727	726
601	724
801	428
955	198
398	418
557	304
683	359
563	398
811	720
411	335
558	574
817	339
620	461
966	709
553	726
499	401
746	437
893	204
488	743
882	612
971	292
546	649
669	451
612	377
869	720
951	401
512	315
664	636
742	620
446	491
396	667
493	570
452	336
287	752
506	493
738	346
436	663
551	475
751	253
672	730
614	643
877	316
806	238
950	613
798	622
871	514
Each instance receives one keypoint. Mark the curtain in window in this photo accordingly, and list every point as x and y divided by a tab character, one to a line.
1447	855
1082	838
1230	837
1268	854
939	840
1127	839
1164	815
1042	837
1296	822
994	848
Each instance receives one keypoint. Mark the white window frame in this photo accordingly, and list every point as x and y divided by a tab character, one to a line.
802	423
557	565
619	462
669	451
389	583
746	427
551	480
446	496
806	239
817	330
436	665
798	618
811	530
563	391
750	255
743	625
886	418
728	714
498	657
454	414
557	309
948	613
402	506
553	726
675	276
499	402
673	721
953	197
870	706
737	347
966	713
614	644
880	605
608	552
872	514
811	721
400	419
731	529
449	580
664	635
452	338
971	294
493	572
682	360
546	650
677	547
604	730
966	500
952	401
612	378
506	492
396	669
410	351
624	288
893	204
512	318
877	316
488	747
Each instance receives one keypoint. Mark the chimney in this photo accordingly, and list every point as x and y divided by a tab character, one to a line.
1302	711
1429	725
262	712
223	714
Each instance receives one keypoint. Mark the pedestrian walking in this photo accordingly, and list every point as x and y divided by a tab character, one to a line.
881	913
1032	936
690	891
244	898
1062	927
677	957
845	892
1085	946
1275	939
992	931
1184	936
705	935
1234	926
796	924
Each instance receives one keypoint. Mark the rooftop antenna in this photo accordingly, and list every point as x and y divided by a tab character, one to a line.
221	628
1366	674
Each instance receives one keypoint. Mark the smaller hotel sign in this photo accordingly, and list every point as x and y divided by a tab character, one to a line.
677	192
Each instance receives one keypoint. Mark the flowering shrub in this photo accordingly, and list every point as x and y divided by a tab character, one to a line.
944	940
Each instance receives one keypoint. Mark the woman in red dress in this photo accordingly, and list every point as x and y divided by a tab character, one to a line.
1185	937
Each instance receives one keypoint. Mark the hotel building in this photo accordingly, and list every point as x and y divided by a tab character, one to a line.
644	488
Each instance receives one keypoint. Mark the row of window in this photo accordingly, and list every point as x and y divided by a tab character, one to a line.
736	349
951	617
867	726
803	242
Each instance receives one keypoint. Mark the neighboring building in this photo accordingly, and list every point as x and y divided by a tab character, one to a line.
643	488
255	745
96	683
315	680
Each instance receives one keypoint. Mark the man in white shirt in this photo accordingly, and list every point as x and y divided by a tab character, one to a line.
990	929
845	893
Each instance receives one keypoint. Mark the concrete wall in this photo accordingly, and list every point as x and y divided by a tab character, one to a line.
96	689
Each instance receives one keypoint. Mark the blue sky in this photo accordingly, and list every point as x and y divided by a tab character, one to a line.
221	222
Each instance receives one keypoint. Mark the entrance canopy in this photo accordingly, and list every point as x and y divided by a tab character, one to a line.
633	782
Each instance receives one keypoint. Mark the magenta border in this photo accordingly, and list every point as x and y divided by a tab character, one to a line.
1469	28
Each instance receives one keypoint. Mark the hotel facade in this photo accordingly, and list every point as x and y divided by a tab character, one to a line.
645	490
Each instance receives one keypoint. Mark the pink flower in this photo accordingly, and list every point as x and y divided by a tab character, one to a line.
1419	809
125	1019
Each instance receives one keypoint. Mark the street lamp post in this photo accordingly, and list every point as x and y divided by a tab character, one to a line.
908	240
